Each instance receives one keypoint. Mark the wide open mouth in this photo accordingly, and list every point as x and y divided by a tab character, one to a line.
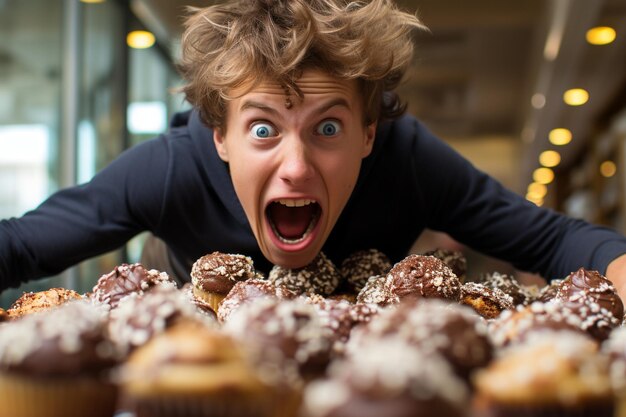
293	219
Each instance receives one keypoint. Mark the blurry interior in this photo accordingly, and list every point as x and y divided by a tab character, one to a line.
489	78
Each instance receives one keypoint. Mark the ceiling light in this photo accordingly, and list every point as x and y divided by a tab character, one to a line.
140	39
537	190
549	159
576	96
543	175
560	136
608	169
601	35
538	100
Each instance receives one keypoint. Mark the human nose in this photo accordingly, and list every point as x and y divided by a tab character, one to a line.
296	166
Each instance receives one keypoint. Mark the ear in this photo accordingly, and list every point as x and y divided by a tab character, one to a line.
220	144
370	135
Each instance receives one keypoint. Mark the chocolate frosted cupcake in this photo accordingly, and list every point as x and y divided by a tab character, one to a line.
455	260
139	317
514	326
452	331
57	363
284	335
215	274
391	378
245	292
127	279
191	370
375	292
520	294
36	302
488	302
550	374
359	266
594	299
422	276
321	276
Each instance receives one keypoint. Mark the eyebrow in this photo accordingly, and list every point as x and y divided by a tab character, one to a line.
252	104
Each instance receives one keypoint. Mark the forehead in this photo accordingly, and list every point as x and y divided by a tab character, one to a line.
312	83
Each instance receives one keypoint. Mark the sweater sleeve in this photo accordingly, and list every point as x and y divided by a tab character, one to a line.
478	211
86	220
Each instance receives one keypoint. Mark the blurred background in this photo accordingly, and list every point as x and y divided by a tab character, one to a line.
532	92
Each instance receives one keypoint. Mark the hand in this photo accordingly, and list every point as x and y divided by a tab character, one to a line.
616	273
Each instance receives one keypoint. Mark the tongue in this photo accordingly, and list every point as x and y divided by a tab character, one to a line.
291	222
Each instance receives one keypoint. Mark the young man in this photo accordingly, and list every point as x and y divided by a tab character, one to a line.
295	146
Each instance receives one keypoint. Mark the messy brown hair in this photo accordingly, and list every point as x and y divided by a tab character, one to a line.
238	44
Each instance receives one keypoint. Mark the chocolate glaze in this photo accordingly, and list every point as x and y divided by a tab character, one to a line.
217	272
423	276
127	279
488	302
244	292
68	340
510	286
455	260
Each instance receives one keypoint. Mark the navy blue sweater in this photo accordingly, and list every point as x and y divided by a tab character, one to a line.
176	186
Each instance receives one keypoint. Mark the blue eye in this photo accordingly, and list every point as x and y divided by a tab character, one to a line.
329	128
262	130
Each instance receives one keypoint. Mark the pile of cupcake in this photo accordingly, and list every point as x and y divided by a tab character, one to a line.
363	338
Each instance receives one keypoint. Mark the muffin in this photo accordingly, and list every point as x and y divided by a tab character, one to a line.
321	276
390	378
451	331
594	299
286	336
422	276
359	266
139	317
35	302
550	374
375	292
191	370
340	317
487	302
520	294
514	326
215	274
245	292
58	363
455	260
127	279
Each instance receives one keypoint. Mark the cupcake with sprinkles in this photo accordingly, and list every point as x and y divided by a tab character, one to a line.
388	377
359	266
58	363
215	274
321	276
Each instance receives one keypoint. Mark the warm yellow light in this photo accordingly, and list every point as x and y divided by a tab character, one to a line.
601	35
92	1
575	96
549	159
140	39
543	175
533	199
608	169
537	190
560	136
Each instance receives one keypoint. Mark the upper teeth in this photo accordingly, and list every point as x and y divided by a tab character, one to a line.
295	203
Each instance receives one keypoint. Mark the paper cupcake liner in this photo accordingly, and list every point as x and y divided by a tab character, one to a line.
206	406
22	396
213	299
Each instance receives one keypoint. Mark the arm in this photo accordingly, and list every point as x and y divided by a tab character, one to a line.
616	273
83	221
479	212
